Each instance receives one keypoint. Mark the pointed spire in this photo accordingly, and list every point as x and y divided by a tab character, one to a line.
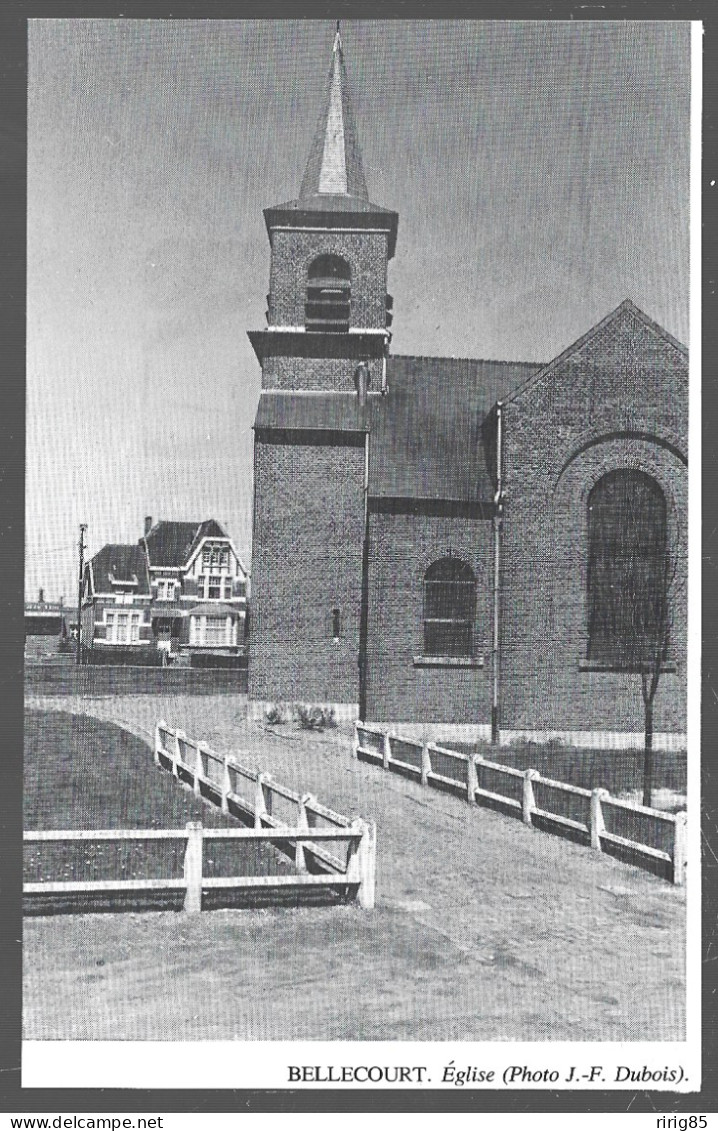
335	166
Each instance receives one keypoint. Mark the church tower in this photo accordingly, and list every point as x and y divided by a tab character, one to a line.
323	357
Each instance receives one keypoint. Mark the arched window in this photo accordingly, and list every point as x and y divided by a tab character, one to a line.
626	576
449	607
328	295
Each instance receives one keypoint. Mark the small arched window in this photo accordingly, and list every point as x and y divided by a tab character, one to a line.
328	303
449	608
627	570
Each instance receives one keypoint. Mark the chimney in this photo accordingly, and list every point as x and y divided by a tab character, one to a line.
148	524
41	597
362	381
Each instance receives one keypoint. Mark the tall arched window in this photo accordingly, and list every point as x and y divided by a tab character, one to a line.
328	295
449	608
627	576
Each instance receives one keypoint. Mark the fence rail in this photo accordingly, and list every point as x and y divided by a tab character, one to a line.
584	810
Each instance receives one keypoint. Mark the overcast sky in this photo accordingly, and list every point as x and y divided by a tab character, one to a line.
540	171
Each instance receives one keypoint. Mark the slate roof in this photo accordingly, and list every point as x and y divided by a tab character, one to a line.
334	180
172	543
124	563
427	440
214	610
335	164
321	412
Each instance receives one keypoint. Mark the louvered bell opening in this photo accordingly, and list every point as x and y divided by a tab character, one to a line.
328	306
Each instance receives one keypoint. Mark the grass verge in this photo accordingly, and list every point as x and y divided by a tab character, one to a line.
82	773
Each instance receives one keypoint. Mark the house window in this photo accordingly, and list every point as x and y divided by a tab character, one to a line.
215	630
626	575
165	590
336	623
449	608
122	628
215	587
228	589
210	631
328	295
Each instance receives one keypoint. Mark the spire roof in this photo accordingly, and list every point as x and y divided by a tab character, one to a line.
333	183
335	168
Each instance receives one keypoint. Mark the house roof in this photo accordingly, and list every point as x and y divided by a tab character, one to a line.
214	610
171	544
121	562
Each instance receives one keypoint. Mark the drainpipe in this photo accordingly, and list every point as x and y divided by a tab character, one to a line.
364	609
498	509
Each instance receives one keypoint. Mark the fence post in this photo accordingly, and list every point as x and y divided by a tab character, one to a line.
260	805
528	801
679	848
178	752
158	741
193	868
300	858
362	863
425	762
597	825
387	749
226	785
472	779
199	765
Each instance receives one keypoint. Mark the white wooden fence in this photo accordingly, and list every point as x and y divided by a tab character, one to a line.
298	825
593	813
358	873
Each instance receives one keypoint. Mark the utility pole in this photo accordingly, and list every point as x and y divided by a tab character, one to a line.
83	528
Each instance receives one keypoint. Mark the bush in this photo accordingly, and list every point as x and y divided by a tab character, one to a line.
273	715
315	718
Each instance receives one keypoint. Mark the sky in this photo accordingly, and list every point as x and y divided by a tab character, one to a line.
540	171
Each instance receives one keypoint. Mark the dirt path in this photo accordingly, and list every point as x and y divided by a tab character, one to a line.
484	929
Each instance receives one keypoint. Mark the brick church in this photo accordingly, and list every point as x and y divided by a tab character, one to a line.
450	543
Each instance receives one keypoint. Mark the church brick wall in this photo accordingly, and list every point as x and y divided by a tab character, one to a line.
618	401
307	560
292	252
402	547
